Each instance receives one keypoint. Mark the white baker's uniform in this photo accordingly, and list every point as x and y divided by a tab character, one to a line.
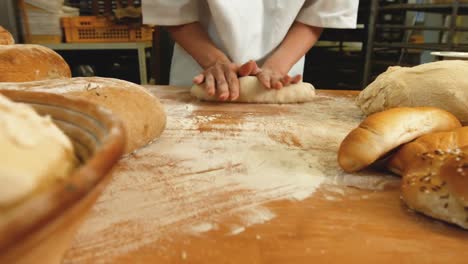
244	29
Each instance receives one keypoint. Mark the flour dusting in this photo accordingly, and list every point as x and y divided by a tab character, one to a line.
209	166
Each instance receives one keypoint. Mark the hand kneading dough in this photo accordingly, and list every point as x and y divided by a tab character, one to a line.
142	114
252	91
440	84
27	62
5	37
33	151
381	132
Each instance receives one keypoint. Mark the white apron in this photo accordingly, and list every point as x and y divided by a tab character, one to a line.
244	29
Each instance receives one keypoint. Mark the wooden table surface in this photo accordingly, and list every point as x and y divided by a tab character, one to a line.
235	183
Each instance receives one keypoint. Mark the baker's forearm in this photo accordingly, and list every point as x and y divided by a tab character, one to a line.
295	45
195	40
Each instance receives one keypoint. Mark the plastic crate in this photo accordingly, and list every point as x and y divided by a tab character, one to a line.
102	29
100	7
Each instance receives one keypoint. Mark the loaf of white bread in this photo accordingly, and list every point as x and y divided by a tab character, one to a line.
141	112
383	131
34	151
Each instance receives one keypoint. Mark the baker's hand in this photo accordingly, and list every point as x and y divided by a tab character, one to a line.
272	77
221	78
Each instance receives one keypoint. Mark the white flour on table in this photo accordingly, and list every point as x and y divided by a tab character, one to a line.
208	167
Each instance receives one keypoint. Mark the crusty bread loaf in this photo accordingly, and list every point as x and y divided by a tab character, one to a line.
27	62
440	84
381	132
411	155
5	37
438	186
142	114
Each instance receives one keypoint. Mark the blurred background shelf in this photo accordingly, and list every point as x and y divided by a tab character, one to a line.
427	7
398	26
103	55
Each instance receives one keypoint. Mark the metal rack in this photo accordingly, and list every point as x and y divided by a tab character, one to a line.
337	61
377	9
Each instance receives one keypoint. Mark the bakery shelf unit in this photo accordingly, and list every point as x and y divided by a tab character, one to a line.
398	46
87	57
337	60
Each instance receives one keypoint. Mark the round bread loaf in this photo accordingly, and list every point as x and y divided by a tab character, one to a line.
5	37
27	62
438	186
411	156
142	114
381	132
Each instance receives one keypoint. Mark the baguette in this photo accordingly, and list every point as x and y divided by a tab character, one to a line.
382	132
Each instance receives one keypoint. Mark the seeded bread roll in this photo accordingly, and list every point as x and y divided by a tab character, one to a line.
381	132
5	37
411	156
141	112
438	186
27	62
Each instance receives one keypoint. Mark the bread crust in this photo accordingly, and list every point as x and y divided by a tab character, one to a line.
28	62
411	155
142	113
438	186
5	37
384	131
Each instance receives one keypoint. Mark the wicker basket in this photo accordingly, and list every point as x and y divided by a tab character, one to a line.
102	29
40	228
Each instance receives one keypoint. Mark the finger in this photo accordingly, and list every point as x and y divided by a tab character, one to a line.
198	79
209	84
221	84
276	84
233	82
249	68
296	79
264	80
286	80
